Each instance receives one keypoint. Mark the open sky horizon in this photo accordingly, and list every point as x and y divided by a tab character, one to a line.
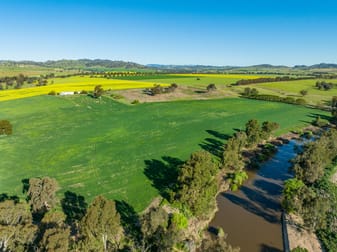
239	33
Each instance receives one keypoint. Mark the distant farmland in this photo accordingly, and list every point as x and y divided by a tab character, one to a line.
79	83
103	147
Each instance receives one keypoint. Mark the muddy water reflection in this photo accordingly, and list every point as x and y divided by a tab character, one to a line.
251	216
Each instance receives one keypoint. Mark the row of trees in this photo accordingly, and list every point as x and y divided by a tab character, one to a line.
232	158
196	184
310	193
263	80
106	225
275	98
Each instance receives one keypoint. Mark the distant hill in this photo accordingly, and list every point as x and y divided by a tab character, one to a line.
266	66
107	65
261	68
318	66
85	64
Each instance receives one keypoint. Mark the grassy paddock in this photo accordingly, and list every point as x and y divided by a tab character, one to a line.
102	147
293	88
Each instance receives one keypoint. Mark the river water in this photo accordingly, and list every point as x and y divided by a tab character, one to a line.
251	216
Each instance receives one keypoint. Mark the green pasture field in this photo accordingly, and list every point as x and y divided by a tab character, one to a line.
31	71
293	88
103	147
190	79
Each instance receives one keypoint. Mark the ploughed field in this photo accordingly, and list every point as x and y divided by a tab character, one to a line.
94	146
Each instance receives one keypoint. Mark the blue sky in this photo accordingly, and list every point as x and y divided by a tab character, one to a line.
210	32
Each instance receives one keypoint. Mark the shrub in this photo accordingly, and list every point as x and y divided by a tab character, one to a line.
84	92
211	87
299	249
116	96
300	101
236	179
52	92
135	102
179	220
304	92
5	127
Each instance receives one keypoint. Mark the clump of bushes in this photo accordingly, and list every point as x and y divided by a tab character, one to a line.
236	179
250	91
157	89
267	151
211	87
135	102
116	96
52	92
322	85
84	92
6	127
179	220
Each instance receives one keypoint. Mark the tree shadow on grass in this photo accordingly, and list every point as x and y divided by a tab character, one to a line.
324	117
129	220
4	197
200	91
74	206
25	185
218	134
214	146
163	174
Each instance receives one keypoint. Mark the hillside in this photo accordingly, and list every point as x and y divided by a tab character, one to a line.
83	64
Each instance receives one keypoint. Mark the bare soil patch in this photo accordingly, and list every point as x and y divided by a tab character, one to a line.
299	236
181	93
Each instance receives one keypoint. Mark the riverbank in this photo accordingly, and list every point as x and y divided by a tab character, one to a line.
251	216
301	237
259	200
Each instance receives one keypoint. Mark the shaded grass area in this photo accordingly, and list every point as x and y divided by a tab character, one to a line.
123	152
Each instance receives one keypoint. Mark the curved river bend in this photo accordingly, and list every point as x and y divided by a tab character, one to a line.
251	216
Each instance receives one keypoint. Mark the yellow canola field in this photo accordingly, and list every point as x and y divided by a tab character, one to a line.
225	76
72	84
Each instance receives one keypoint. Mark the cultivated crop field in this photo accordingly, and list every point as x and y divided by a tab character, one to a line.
72	84
103	147
78	83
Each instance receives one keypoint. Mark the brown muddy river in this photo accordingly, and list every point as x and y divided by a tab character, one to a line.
251	216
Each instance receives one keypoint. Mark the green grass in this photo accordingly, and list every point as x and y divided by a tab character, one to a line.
189	80
94	147
31	71
292	88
